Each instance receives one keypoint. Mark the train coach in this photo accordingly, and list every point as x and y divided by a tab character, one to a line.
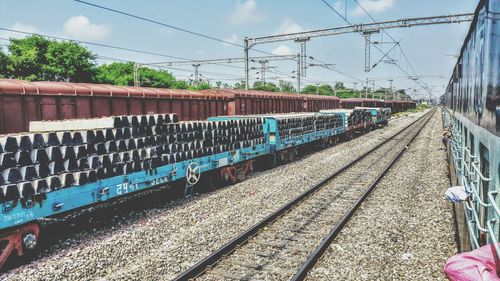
472	115
62	166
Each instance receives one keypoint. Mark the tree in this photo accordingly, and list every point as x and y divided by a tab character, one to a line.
339	86
4	63
69	61
37	58
116	73
270	87
183	85
27	57
286	87
326	90
119	73
310	89
156	78
201	86
239	85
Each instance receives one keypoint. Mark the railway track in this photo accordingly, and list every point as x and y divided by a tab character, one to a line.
288	243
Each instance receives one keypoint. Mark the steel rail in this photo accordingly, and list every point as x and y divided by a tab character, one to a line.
301	274
200	267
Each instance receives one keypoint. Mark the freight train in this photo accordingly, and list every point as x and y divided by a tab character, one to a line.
472	114
22	102
62	166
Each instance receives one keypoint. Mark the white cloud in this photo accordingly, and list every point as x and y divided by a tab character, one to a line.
81	28
20	27
289	26
282	50
234	39
373	6
339	6
246	12
164	30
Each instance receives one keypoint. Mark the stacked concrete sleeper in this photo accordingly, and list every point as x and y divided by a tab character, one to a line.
33	164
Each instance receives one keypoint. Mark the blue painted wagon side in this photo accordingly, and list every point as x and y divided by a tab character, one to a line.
67	199
380	115
277	143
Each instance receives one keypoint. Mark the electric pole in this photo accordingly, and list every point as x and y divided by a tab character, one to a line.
390	88
196	74
137	76
263	71
366	89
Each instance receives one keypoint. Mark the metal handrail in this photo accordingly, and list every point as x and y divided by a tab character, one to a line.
473	236
476	193
493	238
493	201
477	220
476	167
468	152
467	167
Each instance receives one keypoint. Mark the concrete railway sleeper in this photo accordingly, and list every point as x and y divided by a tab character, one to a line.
287	243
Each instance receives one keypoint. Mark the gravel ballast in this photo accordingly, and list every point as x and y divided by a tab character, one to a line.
404	231
161	241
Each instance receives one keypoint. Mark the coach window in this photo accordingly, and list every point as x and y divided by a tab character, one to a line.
493	62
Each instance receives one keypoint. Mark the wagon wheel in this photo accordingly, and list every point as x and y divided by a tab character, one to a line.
193	173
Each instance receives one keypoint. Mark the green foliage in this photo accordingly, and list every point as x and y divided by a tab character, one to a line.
37	58
309	89
116	73
326	90
286	87
68	61
270	87
182	85
239	85
339	86
201	86
27	58
156	78
119	73
4	63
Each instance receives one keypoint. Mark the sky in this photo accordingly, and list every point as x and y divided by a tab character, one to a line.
431	50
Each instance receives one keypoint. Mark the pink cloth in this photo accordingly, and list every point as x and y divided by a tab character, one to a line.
475	265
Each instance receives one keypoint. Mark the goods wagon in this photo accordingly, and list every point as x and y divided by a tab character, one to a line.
22	102
314	103
354	102
400	105
244	102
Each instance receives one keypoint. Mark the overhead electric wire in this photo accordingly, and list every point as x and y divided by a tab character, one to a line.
171	26
106	46
387	33
392	38
178	28
159	23
371	43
